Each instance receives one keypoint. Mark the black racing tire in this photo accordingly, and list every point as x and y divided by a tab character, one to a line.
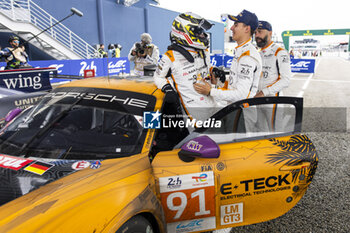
137	224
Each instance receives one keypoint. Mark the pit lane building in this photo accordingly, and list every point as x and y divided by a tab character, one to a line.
104	21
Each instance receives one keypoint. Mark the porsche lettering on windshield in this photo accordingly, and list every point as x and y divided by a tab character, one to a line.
100	97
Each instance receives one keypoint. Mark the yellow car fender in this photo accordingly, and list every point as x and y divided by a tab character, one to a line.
85	201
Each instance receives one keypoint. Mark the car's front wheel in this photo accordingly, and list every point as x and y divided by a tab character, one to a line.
137	224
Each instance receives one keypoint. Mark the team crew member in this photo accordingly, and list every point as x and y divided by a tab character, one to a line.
245	70
186	62
276	72
15	56
144	53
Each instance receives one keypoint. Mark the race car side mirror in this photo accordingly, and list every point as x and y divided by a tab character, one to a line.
12	114
202	147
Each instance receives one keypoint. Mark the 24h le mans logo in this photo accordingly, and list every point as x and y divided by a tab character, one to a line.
151	120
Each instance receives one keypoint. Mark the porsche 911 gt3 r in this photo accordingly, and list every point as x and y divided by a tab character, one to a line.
95	156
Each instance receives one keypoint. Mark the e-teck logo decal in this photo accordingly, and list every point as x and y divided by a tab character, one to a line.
151	120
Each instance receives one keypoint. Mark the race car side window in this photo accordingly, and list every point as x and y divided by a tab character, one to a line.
253	118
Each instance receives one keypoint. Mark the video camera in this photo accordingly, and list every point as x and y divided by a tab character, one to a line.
140	48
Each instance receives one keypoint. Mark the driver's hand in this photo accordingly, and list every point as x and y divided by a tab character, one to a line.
202	88
259	94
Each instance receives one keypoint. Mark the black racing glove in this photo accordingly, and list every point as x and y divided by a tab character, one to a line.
220	74
170	93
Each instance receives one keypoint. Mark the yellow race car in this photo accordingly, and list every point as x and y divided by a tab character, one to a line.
111	155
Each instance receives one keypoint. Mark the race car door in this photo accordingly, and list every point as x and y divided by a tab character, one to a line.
251	167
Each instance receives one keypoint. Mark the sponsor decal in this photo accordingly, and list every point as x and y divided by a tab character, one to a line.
117	67
99	97
206	168
268	55
262	183
80	165
194	225
285	58
102	66
187	201
25	82
213	61
193	145
38	167
245	71
255	187
13	163
174	182
265	74
95	165
231	214
86	66
201	178
26	102
220	166
58	67
302	65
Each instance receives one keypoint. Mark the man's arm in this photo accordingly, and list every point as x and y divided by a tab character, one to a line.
132	55
283	62
164	65
5	52
153	59
245	72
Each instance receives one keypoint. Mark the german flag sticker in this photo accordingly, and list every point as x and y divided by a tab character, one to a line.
38	167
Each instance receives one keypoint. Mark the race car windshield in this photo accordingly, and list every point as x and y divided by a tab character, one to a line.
80	124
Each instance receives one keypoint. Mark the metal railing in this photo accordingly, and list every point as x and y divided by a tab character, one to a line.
28	11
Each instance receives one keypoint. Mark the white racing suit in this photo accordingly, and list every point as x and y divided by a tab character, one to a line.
183	75
242	82
276	76
151	58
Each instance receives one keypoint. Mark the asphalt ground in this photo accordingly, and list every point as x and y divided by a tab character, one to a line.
326	205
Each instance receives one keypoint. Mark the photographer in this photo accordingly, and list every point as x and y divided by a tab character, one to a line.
143	53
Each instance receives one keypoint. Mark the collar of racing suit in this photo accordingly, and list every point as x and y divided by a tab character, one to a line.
267	45
250	39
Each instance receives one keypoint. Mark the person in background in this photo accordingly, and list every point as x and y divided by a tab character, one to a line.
117	50
291	54
101	51
15	56
111	50
143	53
276	73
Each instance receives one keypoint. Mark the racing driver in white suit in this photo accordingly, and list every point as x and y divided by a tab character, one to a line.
245	70
186	62
276	77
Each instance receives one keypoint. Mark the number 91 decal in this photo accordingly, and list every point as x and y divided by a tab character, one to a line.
188	201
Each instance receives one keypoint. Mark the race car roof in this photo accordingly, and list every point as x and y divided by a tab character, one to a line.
140	85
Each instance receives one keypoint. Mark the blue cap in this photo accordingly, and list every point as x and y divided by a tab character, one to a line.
247	18
265	25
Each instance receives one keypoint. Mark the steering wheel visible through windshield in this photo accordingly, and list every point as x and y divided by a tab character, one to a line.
80	123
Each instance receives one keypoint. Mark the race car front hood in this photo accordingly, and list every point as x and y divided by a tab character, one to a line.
19	176
93	195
